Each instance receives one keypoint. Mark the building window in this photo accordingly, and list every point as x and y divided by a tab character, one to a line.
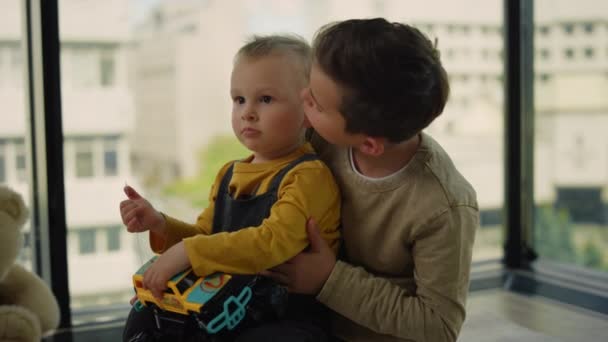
588	27
86	241
113	238
110	157
568	28
84	159
2	163
589	52
545	53
20	161
569	53
544	30
544	77
107	69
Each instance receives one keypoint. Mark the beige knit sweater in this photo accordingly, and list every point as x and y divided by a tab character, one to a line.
408	240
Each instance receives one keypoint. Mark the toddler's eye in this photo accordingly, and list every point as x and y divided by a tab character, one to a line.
266	99
239	99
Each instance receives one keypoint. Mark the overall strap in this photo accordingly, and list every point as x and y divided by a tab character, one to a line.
276	181
218	211
226	180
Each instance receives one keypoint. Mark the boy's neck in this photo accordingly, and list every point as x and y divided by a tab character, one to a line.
394	158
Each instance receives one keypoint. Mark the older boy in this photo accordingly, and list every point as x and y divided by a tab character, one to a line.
408	216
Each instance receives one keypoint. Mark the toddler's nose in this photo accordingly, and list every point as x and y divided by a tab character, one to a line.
250	115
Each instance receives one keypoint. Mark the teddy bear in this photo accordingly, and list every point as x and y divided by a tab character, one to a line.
28	308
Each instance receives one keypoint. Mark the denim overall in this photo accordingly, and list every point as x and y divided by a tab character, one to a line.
305	316
232	214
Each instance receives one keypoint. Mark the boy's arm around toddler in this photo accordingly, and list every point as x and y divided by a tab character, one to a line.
432	309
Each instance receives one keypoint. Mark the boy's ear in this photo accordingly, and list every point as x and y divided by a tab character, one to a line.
372	146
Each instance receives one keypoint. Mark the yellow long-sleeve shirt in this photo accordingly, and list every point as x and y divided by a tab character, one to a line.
308	190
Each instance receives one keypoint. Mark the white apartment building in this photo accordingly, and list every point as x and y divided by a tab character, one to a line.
97	121
180	80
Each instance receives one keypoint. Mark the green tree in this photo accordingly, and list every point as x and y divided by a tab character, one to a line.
591	255
553	234
218	152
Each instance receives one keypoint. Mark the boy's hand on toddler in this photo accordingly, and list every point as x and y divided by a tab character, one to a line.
139	215
172	261
308	271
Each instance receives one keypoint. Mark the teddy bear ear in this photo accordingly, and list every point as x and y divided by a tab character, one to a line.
13	205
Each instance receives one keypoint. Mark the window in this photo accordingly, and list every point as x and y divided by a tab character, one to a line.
110	157
569	53
113	238
107	68
13	151
545	77
84	158
86	241
545	53
568	28
544	30
20	162
571	149
167	88
2	162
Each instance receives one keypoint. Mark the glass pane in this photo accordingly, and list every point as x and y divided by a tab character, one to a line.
14	144
98	113
146	86
180	90
571	147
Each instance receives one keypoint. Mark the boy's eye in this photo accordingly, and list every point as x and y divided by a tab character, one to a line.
239	99
266	99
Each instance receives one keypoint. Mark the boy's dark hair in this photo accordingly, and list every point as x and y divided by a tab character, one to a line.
292	44
393	82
